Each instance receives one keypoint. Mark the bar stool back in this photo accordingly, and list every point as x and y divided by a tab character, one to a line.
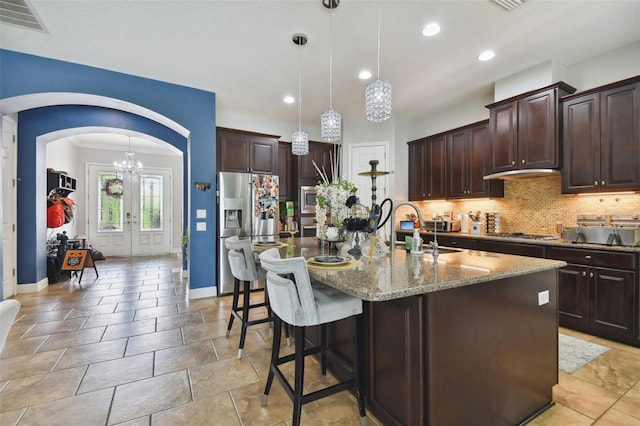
296	302
244	269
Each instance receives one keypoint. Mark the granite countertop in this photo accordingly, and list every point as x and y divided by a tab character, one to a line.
557	242
401	274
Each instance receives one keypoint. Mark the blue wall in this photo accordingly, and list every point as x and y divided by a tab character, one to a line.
22	74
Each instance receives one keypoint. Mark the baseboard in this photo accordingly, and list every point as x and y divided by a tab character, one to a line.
33	287
201	293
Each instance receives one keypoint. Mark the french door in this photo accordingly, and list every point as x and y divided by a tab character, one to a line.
129	215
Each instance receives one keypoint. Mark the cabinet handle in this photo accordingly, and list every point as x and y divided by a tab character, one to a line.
587	257
429	195
595	183
522	161
603	184
591	274
584	273
513	163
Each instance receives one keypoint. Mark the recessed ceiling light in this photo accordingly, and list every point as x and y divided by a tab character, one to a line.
289	99
431	29
364	75
486	55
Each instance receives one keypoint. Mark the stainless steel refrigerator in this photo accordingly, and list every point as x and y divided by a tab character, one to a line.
248	208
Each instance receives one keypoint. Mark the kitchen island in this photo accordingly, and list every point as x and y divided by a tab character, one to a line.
469	339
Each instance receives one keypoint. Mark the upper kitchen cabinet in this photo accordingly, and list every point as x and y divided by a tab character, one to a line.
240	151
285	171
601	136
306	173
427	168
524	130
468	160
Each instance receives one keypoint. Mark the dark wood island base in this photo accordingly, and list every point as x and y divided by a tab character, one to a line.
484	354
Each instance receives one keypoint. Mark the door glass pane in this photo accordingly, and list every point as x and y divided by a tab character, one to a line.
109	202
151	202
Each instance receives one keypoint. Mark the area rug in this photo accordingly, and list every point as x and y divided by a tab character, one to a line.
575	353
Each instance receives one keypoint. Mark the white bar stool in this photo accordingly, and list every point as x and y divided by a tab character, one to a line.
299	304
244	268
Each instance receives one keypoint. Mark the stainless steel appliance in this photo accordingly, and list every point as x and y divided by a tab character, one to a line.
609	230
248	208
442	225
308	199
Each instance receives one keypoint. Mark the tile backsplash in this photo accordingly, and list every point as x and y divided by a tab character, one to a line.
535	205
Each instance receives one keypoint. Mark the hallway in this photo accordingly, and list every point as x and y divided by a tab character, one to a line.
129	348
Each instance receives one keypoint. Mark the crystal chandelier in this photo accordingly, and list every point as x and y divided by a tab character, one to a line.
129	164
331	120
378	94
300	138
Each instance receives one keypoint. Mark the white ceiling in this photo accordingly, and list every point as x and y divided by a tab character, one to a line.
242	49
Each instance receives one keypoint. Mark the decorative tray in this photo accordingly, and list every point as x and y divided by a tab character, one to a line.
330	260
267	243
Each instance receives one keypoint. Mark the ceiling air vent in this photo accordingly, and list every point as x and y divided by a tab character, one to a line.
19	13
509	4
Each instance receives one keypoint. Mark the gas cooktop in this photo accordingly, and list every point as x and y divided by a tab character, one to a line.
523	236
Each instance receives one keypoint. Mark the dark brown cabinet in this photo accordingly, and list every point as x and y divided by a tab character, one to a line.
427	168
599	294
524	130
240	151
601	135
304	170
468	161
285	171
531	250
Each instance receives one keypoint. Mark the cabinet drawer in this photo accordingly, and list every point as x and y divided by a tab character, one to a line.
601	258
463	243
511	248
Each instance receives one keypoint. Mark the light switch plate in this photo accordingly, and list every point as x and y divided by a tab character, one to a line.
201	226
543	297
201	213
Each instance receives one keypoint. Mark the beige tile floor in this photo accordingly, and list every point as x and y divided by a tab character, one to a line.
130	348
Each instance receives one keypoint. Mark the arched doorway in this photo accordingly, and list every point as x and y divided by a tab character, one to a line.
44	124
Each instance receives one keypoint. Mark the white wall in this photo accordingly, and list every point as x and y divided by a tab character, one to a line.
612	66
63	155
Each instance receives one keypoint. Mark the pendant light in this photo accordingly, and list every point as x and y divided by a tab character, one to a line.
300	138
331	120
378	94
129	164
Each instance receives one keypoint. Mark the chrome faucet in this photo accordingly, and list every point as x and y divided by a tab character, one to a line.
393	220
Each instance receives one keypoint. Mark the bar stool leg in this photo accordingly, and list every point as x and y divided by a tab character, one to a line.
323	353
245	317
275	353
234	303
298	390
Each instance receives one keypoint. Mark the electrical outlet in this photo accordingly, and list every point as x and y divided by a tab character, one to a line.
543	297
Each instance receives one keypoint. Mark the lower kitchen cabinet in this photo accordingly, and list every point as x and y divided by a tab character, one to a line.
530	250
598	300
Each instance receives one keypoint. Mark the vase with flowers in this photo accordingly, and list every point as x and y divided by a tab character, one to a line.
332	196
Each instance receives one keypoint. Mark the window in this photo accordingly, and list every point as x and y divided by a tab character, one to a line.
151	190
109	202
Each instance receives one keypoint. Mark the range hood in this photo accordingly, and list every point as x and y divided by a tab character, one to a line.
522	174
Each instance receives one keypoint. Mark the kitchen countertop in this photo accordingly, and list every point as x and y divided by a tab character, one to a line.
558	242
400	274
